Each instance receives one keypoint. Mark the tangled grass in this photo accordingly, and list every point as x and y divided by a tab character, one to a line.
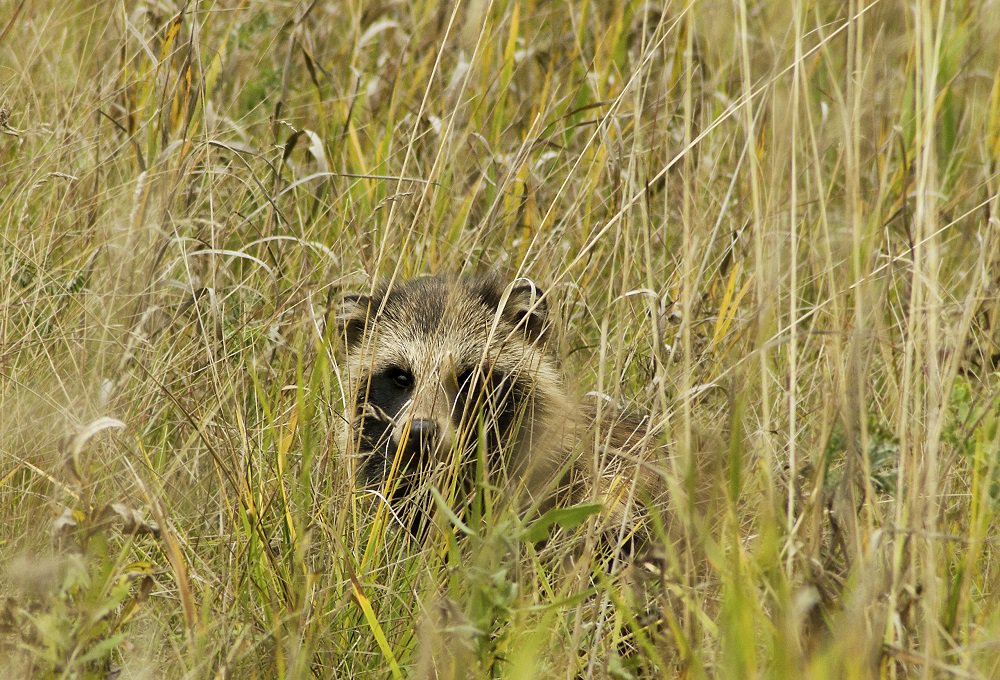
772	226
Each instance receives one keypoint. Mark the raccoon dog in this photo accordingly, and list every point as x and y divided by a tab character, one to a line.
449	375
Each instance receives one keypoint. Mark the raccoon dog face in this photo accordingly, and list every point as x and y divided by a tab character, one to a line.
434	362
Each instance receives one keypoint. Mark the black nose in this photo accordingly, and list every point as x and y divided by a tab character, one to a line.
423	435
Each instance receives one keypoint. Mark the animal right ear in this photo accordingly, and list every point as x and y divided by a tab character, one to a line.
526	308
352	317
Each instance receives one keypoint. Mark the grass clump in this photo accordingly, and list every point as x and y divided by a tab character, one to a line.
771	225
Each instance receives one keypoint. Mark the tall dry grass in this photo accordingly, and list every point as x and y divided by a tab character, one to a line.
773	226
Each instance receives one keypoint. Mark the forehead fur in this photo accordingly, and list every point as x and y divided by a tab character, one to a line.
428	319
428	306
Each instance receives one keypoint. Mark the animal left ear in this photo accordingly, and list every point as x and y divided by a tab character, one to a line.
526	308
353	316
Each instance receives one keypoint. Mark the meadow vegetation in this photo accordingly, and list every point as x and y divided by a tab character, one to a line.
771	226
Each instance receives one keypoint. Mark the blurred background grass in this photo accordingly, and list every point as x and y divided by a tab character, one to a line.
773	226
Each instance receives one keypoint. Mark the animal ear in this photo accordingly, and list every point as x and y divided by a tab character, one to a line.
526	308
352	317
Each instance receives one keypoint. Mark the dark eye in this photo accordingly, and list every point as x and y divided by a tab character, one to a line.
474	377
400	378
465	379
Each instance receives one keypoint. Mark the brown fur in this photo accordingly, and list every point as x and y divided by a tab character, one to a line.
432	334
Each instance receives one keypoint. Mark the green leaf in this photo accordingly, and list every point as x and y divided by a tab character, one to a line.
567	518
102	649
449	513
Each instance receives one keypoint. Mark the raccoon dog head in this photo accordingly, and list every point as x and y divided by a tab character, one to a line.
436	361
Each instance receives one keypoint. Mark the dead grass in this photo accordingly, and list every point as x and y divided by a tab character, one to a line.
771	225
